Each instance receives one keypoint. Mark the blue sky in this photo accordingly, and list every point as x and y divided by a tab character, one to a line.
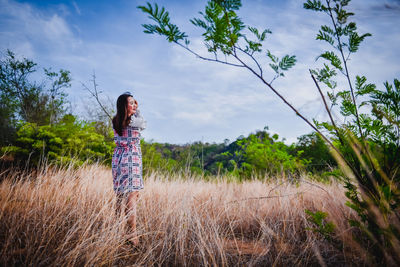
185	99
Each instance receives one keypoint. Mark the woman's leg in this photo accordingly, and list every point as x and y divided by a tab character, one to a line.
131	213
119	204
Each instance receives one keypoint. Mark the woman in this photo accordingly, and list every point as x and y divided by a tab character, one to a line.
127	158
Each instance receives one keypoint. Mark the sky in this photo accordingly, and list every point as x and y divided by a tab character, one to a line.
183	98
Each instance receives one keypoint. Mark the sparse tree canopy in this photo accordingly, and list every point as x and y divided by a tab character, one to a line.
42	102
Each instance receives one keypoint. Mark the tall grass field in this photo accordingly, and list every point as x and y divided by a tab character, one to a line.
66	217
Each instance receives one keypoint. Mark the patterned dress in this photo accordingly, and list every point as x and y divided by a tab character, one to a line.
127	161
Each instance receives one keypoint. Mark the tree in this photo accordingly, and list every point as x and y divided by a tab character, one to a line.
56	95
101	118
313	148
26	100
264	155
368	141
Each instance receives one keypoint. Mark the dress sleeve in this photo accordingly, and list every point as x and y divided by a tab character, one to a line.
138	121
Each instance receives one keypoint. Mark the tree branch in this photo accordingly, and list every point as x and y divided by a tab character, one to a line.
279	196
251	56
208	59
346	69
95	94
327	108
292	107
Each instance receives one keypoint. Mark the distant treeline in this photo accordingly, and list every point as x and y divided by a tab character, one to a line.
256	155
37	125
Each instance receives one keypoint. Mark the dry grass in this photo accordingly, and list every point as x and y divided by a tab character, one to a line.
67	217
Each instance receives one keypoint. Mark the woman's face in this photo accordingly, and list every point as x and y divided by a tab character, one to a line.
131	106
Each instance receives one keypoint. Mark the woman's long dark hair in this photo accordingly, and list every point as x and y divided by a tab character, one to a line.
121	119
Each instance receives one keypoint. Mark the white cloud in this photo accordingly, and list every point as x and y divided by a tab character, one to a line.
200	117
56	29
77	9
37	30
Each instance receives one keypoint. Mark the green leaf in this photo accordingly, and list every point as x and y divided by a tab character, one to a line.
349	28
163	26
315	5
264	34
229	4
344	2
323	36
333	98
347	107
355	41
287	62
274	67
318	218
328	30
222	27
260	37
253	46
255	31
333	59
199	23
272	57
342	15
324	75
362	88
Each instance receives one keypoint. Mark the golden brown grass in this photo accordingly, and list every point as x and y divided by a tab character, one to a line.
67	217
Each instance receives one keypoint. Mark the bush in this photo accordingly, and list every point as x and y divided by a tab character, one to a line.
69	141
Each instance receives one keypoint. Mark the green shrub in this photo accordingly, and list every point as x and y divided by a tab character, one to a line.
69	141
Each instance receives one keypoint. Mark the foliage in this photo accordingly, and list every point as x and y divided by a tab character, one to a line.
260	155
313	148
195	158
34	120
69	141
368	142
154	160
344	39
321	226
225	36
164	26
257	155
26	100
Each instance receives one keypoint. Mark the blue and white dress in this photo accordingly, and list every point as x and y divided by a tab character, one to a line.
127	169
